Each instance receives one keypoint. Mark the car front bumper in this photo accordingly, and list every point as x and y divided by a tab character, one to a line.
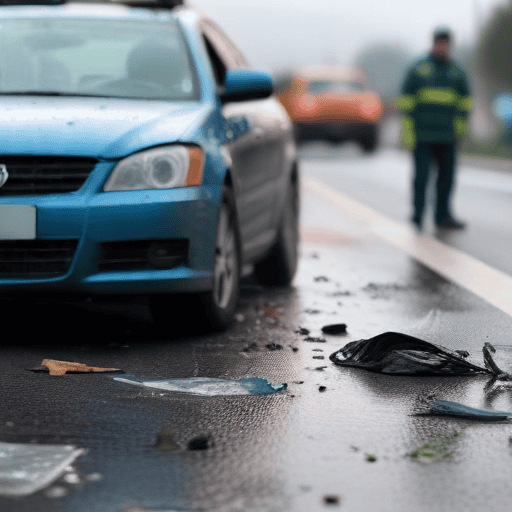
90	225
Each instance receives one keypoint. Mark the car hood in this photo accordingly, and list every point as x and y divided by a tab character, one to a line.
104	128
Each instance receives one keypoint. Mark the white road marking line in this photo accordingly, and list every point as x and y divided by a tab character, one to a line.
488	283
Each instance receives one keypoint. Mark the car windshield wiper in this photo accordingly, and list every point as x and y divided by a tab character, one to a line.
51	93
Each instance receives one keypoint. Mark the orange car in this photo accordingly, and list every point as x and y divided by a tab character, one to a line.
333	103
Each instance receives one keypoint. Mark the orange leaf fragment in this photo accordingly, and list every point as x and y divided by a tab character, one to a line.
61	367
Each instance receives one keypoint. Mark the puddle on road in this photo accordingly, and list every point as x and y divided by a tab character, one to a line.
210	386
27	468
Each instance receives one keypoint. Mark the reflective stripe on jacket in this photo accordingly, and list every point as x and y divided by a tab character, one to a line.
436	100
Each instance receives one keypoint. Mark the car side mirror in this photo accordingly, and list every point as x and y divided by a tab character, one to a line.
246	84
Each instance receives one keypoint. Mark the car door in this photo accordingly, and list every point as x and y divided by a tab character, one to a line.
252	139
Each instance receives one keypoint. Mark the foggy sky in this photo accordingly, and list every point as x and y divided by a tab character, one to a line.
288	33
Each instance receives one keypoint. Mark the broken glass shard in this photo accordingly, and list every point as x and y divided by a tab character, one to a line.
27	468
210	386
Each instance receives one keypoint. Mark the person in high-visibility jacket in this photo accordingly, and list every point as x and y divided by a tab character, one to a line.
436	102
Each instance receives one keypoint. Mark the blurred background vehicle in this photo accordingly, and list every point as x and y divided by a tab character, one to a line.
331	103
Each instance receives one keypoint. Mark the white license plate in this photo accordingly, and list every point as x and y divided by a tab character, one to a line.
17	222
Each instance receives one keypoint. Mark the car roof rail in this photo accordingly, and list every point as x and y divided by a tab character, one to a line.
32	2
150	4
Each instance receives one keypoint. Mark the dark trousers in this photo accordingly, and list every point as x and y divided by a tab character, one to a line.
444	157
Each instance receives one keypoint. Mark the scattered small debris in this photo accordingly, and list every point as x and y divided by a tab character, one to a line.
165	440
295	349
371	458
210	386
273	346
341	294
200	443
315	256
63	367
462	353
322	389
510	441
318	357
332	499
299	382
239	317
436	450
312	311
320	368
354	448
94	477
313	339
335	329
253	347
71	478
302	331
322	279
56	492
316	350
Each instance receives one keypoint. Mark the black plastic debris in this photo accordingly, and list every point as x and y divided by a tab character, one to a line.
200	443
273	346
322	389
312	311
318	357
295	349
400	354
313	339
335	329
302	331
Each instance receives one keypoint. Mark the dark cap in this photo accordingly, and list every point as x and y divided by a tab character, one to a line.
442	33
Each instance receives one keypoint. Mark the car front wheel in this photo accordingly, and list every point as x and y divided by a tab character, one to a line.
212	310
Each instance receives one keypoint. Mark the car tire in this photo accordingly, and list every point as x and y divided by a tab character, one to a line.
279	267
212	310
369	140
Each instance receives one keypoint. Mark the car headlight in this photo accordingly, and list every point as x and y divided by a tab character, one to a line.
164	167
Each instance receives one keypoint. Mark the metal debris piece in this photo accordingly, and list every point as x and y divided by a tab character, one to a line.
400	354
446	408
27	468
210	386
63	367
335	329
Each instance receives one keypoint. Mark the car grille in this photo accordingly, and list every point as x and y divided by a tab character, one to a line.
31	259
35	175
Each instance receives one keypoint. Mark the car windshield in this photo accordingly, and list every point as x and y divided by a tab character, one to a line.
323	87
95	57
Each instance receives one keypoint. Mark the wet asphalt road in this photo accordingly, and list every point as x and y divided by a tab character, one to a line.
299	450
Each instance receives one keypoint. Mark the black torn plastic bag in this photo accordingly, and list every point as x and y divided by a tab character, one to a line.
400	354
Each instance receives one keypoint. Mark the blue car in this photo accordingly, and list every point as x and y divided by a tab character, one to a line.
140	155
